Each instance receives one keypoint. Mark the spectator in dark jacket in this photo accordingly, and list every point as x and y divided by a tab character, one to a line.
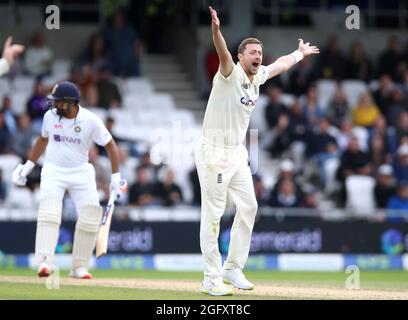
359	66
274	108
5	137
331	62
171	193
390	60
401	163
286	196
385	187
398	202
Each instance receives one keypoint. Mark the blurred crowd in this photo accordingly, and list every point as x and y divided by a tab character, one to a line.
327	144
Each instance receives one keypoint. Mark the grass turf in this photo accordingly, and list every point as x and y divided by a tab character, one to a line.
384	280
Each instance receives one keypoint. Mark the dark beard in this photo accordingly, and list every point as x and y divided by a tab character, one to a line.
60	112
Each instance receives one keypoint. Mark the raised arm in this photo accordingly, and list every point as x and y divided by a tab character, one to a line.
284	63
10	51
226	62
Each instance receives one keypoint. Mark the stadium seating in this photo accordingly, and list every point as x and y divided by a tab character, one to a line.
360	195
325	92
353	90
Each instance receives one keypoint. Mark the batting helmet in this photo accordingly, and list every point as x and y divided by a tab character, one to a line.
65	90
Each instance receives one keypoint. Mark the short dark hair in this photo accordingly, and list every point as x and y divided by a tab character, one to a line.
243	44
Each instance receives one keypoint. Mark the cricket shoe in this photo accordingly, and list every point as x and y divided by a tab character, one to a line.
216	289
237	279
80	273
44	270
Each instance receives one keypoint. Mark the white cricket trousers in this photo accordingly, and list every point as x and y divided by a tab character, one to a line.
79	182
81	185
224	171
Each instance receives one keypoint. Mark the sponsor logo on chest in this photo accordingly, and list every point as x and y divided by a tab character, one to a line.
67	139
249	89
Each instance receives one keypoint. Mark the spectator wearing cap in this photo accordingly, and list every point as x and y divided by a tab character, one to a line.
287	173
399	201
286	196
401	163
385	186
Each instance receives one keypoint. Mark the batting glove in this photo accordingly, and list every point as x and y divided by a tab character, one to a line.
118	185
21	172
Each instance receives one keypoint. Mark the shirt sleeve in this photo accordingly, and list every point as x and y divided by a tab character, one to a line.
4	66
100	135
44	127
262	74
232	76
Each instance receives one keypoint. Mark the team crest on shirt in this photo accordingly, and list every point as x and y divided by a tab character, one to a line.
245	86
77	129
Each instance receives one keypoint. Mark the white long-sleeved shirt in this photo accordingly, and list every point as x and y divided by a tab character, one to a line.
4	66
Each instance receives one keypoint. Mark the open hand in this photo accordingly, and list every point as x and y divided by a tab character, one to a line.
10	51
307	49
214	18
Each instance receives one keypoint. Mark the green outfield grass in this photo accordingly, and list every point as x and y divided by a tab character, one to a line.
369	280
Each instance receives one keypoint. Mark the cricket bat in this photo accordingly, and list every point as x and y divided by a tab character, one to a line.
103	235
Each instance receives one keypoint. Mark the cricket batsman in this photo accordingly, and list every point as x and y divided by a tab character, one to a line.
68	131
222	159
10	52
